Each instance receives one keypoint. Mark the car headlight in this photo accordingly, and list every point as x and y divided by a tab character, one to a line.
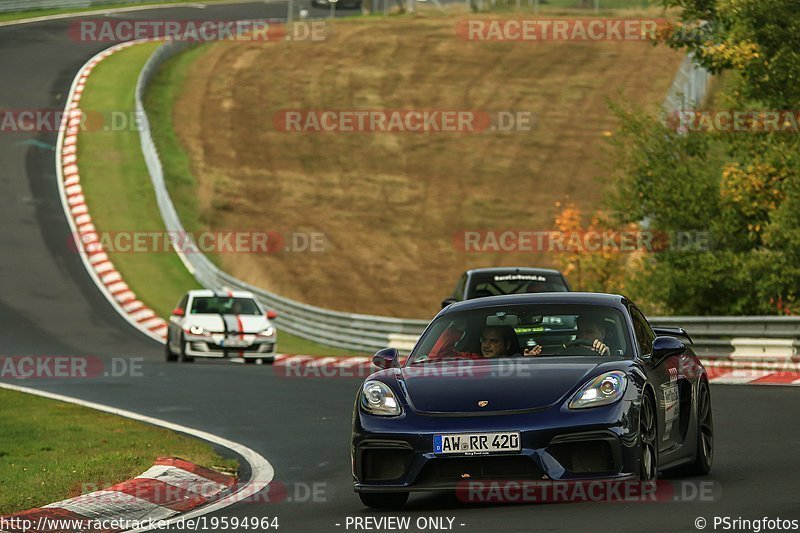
378	399
269	332
196	330
605	389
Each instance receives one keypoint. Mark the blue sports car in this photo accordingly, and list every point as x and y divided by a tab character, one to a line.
560	387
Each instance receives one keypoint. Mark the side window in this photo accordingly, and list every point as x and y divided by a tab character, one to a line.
458	294
184	302
644	333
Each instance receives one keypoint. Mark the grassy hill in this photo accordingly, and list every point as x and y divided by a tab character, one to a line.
391	204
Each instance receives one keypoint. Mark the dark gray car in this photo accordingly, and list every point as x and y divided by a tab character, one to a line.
496	281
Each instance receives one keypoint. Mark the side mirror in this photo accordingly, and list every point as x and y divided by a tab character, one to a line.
664	347
272	315
386	358
178	311
448	301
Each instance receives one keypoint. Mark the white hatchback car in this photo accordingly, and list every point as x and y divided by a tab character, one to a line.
221	325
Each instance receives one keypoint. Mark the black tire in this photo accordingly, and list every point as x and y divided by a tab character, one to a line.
250	361
704	454
182	357
383	500
168	355
648	439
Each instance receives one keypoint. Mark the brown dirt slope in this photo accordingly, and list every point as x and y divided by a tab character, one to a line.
390	204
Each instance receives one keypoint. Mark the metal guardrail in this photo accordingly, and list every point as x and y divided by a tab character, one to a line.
10	6
745	337
689	87
712	335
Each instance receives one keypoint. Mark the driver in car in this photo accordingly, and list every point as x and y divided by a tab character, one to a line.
496	341
591	334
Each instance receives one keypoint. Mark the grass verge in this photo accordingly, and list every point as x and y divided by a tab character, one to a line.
43	450
117	186
118	189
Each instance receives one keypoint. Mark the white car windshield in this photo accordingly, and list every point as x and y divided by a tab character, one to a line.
224	305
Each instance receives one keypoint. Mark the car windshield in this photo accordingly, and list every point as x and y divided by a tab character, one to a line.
496	284
224	305
508	331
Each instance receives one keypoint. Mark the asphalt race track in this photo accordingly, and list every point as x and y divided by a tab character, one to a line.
49	306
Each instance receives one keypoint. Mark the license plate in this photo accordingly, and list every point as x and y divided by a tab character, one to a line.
476	443
235	343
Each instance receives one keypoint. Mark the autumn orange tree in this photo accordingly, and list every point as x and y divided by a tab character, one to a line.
598	267
742	189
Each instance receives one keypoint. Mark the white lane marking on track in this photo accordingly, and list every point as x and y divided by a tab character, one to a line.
261	471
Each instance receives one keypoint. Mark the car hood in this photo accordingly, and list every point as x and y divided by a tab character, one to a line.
506	385
231	323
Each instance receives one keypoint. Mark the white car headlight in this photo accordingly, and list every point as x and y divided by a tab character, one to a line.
269	332
605	389
196	330
378	399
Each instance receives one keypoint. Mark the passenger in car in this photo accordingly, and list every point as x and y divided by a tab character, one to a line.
496	341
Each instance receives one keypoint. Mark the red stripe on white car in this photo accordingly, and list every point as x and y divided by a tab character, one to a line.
240	327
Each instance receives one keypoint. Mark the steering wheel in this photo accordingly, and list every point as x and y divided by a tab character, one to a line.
584	346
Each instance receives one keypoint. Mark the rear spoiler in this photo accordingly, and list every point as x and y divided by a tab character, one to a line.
672	332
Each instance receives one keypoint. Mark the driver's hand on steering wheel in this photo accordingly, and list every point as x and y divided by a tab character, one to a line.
600	348
534	350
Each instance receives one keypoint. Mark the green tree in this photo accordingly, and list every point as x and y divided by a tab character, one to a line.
758	38
742	189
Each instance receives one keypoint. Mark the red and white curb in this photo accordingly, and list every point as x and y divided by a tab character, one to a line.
87	240
172	486
719	371
753	372
261	471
